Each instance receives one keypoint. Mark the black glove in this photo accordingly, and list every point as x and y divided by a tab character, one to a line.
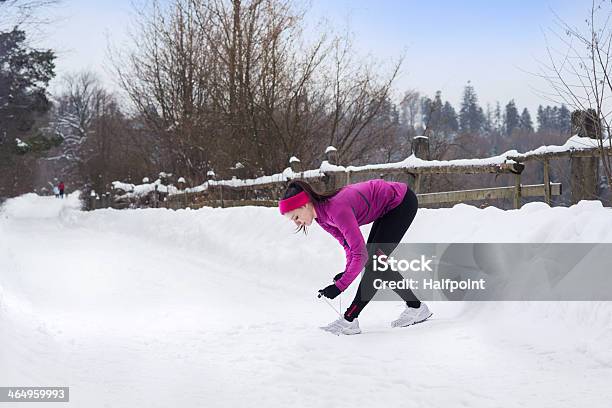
330	292
338	276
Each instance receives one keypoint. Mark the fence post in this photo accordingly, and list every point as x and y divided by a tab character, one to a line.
92	200
585	170
295	164
210	176
332	181
517	191
584	175
182	202
331	155
420	149
547	196
154	198
111	197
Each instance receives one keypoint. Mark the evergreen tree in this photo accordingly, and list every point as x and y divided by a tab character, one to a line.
488	126
497	118
496	131
554	119
471	116
449	118
439	117
512	118
24	76
565	120
526	122
542	119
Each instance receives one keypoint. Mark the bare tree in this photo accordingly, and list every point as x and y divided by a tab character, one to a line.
76	108
357	94
77	112
410	106
226	81
23	12
168	78
580	74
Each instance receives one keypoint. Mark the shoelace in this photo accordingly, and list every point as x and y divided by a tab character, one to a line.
332	306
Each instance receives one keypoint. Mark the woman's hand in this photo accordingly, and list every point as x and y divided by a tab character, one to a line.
338	277
330	292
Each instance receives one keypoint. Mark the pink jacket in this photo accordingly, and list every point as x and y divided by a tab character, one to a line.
355	205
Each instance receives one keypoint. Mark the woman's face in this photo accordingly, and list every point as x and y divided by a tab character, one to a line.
303	215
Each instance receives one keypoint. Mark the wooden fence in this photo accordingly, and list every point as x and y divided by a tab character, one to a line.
267	191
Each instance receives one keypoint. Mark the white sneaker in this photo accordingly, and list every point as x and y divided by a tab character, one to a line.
342	326
412	315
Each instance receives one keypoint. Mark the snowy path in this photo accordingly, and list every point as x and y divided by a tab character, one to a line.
156	308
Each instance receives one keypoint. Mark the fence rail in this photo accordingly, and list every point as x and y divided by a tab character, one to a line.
495	193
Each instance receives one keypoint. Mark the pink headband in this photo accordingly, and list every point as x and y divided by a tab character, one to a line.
293	202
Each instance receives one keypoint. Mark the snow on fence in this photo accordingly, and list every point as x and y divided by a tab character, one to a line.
266	190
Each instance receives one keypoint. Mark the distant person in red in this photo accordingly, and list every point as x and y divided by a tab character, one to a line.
60	186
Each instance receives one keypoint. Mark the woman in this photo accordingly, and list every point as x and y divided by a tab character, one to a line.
391	206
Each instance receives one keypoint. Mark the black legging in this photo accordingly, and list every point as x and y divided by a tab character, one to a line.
385	235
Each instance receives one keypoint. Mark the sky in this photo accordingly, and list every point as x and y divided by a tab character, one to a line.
497	45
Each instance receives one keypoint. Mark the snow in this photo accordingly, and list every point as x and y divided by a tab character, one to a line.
413	162
143	189
32	206
158	308
294	159
287	174
21	143
330	149
127	187
573	143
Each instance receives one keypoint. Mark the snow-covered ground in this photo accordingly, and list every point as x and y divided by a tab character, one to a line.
217	308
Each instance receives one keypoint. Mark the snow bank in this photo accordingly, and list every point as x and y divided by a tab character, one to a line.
33	206
217	307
